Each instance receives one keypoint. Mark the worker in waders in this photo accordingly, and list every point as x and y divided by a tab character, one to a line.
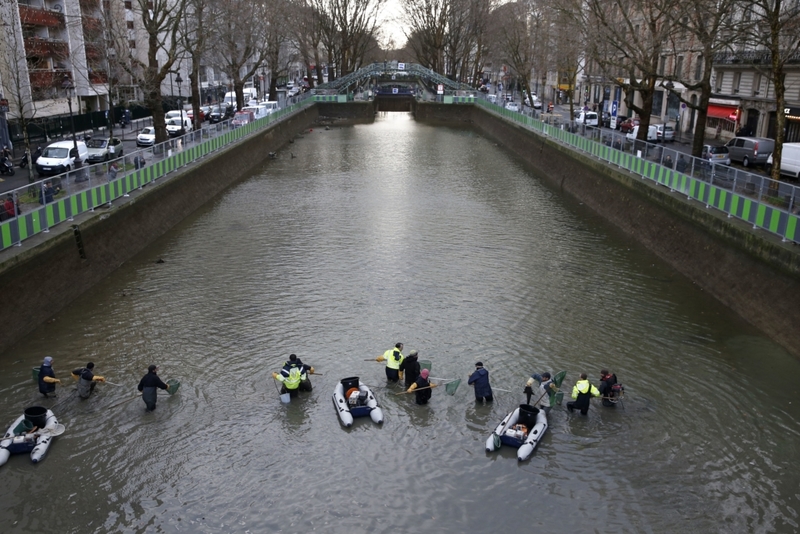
149	386
393	358
87	380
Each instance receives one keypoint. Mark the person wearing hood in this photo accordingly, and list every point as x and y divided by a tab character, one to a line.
393	358
47	378
410	367
87	380
149	386
582	392
422	387
480	379
304	370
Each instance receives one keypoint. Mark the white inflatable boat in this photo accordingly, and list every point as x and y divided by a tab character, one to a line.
32	432
523	428
353	399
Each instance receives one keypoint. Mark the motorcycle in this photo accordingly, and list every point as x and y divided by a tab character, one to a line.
6	166
24	161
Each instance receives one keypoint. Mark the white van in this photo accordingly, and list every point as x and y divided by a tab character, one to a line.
60	157
258	111
652	133
790	160
589	118
271	105
249	93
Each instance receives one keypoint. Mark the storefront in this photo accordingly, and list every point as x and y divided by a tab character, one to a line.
722	119
792	115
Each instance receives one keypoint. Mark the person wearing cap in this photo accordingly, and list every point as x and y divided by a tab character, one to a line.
582	393
47	378
422	387
543	394
86	380
480	379
393	358
294	376
149	386
410	367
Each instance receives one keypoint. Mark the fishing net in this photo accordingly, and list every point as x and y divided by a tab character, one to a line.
558	398
559	378
451	387
424	364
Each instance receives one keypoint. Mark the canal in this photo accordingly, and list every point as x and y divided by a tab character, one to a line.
355	238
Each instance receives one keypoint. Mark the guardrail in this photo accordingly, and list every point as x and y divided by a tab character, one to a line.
39	206
765	203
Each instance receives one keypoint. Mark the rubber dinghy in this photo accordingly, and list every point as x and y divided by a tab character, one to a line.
353	399
523	429
21	436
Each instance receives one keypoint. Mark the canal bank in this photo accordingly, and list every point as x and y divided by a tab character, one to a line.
51	269
751	272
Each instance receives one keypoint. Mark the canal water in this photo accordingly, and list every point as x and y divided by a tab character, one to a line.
353	239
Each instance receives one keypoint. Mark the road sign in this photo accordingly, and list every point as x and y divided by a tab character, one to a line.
440	89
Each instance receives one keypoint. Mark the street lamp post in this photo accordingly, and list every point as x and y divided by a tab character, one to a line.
67	86
179	81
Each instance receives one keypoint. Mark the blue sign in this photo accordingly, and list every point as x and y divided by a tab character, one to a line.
614	106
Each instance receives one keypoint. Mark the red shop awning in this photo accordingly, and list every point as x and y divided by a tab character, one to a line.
730	113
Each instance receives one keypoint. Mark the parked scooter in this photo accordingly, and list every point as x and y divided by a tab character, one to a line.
6	166
36	154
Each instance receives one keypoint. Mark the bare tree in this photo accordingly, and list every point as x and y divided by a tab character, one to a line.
243	27
427	30
195	38
517	38
777	29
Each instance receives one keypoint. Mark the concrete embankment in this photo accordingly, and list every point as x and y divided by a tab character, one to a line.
752	272
50	270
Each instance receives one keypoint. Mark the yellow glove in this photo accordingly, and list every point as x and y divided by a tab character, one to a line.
434	385
75	377
400	374
529	383
51	380
99	379
380	358
412	388
311	370
275	376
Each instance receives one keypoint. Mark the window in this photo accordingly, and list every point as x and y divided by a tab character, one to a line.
129	24
662	66
718	85
698	68
131	44
128	4
756	84
737	78
679	67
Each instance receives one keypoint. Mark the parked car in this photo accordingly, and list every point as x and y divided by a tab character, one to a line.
651	133
716	154
103	149
665	133
589	118
620	120
220	113
190	114
147	137
177	126
60	157
242	117
512	106
206	110
628	125
750	150
790	160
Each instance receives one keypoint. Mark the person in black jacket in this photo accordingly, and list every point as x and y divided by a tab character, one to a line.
410	367
607	382
422	388
47	378
149	386
87	380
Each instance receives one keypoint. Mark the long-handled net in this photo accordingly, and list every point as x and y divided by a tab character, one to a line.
424	364
451	387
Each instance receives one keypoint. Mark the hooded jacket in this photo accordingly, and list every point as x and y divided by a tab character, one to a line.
480	378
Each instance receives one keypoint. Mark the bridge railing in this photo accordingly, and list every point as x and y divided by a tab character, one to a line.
51	201
764	203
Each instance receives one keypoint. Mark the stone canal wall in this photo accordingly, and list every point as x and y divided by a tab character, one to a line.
752	272
50	270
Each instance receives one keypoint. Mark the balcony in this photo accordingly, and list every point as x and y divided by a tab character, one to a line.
38	47
32	16
43	78
93	51
750	57
98	76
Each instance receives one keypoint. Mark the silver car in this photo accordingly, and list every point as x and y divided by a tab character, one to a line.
716	154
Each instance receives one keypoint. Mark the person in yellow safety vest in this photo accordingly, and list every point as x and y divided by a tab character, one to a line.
582	392
294	380
393	358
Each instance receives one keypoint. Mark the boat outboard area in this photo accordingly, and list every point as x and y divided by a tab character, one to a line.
352	399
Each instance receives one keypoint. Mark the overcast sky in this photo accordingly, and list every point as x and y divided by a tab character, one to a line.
391	24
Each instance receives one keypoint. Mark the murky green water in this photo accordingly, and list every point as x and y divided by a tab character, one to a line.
390	232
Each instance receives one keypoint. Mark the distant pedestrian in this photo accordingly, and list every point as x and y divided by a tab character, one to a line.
480	380
138	162
47	193
149	386
680	165
668	163
113	169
